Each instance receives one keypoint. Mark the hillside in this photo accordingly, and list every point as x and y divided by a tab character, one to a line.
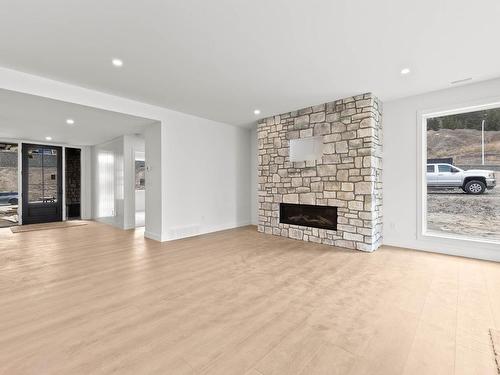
464	146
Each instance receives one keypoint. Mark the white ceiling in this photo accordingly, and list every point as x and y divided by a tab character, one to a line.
30	117
221	59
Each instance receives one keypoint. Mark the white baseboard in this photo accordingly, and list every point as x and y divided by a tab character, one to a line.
206	230
153	236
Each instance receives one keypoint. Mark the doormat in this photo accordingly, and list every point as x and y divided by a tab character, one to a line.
45	226
495	343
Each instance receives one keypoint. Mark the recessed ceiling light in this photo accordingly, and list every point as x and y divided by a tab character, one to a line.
256	112
48	138
117	62
405	71
70	121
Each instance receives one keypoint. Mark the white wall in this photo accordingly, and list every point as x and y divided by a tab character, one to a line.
140	200
400	168
154	189
198	180
128	182
207	180
86	183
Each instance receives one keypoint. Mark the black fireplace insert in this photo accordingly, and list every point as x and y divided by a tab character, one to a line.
323	217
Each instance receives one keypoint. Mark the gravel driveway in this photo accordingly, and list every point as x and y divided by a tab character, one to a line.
455	212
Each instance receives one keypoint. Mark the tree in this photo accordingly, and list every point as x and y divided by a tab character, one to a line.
470	120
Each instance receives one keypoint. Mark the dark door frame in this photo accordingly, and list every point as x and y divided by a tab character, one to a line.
45	211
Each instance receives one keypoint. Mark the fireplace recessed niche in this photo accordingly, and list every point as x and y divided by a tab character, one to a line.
323	217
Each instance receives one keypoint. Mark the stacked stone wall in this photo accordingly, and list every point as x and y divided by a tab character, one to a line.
348	175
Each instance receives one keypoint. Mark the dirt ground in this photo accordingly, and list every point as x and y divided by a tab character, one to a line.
458	213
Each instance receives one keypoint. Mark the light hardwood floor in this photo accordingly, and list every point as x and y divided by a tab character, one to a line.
98	300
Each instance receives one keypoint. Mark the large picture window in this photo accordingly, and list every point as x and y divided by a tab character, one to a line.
462	171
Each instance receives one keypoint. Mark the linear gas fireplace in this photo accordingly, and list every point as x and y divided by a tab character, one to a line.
323	217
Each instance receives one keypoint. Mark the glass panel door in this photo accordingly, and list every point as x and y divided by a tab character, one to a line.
42	183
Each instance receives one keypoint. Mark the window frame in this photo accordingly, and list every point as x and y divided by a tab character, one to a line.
422	233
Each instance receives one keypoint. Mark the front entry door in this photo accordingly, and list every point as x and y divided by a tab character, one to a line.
42	183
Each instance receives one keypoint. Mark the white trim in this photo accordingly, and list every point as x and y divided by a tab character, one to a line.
216	228
35	142
421	176
209	229
452	236
36	85
473	106
128	183
86	183
63	169
153	236
449	244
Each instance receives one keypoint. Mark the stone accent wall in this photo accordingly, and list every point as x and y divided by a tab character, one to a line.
73	175
8	171
347	176
8	179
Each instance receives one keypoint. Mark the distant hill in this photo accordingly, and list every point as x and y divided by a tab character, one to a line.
463	145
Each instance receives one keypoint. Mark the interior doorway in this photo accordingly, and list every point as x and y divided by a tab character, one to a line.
106	141
140	189
42	183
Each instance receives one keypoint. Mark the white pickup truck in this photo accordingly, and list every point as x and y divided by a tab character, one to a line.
474	181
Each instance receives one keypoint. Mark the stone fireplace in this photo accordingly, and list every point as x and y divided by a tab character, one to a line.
346	176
